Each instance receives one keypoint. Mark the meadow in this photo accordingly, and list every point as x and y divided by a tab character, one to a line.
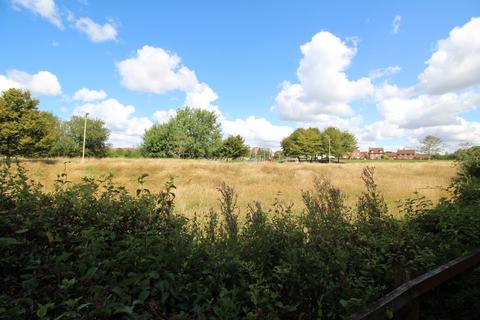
197	180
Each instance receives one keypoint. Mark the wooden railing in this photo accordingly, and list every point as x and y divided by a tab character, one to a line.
404	300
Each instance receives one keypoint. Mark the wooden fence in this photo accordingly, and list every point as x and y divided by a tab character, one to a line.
405	300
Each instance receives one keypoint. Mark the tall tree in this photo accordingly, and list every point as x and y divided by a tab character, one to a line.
341	142
70	138
234	147
303	142
431	145
24	130
192	133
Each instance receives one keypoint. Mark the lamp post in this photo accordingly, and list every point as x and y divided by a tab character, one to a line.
84	137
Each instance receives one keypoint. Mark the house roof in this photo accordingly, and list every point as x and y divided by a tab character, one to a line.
375	150
406	151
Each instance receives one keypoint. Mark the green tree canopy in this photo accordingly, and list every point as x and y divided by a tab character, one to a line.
431	145
312	142
70	138
303	142
24	130
192	133
341	142
234	147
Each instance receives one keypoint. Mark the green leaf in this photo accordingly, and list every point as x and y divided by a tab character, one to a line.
6	242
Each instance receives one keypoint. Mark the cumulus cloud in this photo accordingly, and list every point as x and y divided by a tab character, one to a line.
427	110
447	88
40	83
44	8
162	116
397	20
86	94
323	87
158	71
455	65
126	129
96	32
257	131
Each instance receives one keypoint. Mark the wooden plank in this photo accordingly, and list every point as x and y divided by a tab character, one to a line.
410	291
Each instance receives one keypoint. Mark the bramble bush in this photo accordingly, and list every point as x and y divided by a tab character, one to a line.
93	251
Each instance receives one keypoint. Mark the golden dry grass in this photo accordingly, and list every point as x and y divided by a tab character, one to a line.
197	180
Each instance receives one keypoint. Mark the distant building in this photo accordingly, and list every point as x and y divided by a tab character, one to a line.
406	154
391	155
255	150
375	153
357	154
411	154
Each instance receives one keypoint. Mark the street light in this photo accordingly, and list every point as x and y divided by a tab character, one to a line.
84	137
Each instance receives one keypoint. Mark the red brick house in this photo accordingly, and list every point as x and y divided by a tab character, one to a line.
357	154
391	155
375	153
406	154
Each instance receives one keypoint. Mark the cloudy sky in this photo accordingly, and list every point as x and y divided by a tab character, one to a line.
390	72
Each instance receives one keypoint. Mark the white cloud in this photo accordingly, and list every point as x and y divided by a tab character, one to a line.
126	130
324	87
396	24
41	83
96	32
164	115
383	72
427	110
44	8
86	94
156	70
455	65
257	131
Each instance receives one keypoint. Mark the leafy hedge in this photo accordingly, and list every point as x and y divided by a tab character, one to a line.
93	251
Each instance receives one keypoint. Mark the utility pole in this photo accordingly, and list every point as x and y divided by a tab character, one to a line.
84	137
328	149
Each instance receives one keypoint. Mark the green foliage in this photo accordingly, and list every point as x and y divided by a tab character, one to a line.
234	147
192	133
93	251
124	153
24	130
312	142
303	142
70	138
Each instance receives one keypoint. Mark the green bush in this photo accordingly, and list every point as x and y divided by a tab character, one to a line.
93	251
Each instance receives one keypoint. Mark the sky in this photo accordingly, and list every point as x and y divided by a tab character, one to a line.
391	72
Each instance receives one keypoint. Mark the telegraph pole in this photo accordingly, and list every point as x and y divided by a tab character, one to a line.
328	149
84	136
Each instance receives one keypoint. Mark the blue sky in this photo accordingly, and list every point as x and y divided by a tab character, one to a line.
390	72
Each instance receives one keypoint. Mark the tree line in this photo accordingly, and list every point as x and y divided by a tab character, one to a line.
190	134
28	132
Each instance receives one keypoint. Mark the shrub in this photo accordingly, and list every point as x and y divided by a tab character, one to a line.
93	251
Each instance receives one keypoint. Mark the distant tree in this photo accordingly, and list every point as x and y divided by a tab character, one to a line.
341	142
234	147
431	145
192	133
69	141
24	130
164	140
303	142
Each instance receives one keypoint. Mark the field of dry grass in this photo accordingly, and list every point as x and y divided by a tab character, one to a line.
197	180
